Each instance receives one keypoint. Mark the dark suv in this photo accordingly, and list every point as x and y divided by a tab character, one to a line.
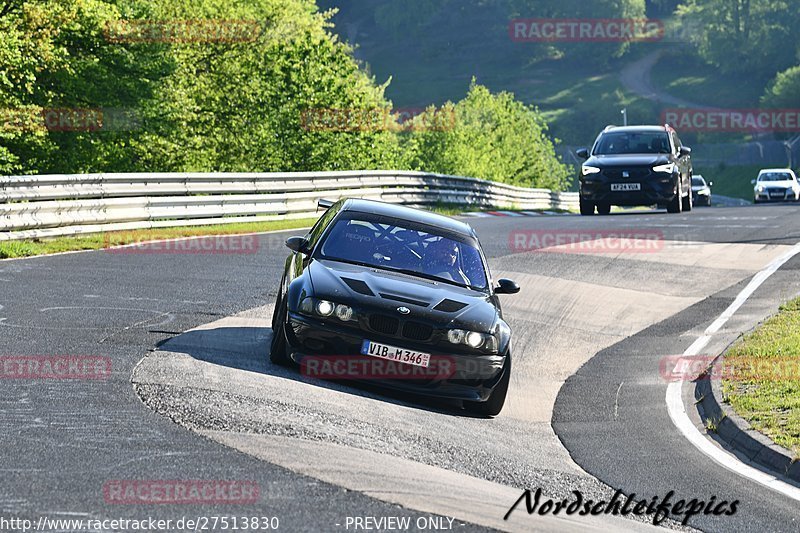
636	165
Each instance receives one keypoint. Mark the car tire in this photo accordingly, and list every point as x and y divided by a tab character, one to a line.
604	209
587	208
277	348
676	204
497	398
687	202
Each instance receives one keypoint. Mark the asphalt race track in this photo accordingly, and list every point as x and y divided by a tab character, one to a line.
192	396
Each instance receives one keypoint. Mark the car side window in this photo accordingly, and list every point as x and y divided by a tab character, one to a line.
315	233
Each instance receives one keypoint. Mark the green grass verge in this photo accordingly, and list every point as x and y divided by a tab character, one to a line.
769	396
98	241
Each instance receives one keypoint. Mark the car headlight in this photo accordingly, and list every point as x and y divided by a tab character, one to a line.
344	312
473	339
669	168
760	188
586	170
456	336
326	308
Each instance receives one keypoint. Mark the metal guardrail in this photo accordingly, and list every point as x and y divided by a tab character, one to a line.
56	205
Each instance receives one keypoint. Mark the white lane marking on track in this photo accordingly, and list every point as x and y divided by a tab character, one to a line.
677	410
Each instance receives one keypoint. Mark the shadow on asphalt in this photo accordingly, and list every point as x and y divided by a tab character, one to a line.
247	349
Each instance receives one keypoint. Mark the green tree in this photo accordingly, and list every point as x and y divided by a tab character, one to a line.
744	36
784	91
489	136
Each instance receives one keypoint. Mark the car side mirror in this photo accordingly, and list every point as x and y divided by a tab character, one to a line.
506	286
710	183
752	182
685	150
297	244
582	152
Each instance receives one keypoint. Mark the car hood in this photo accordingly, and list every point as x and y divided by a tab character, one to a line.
440	304
788	184
624	160
699	187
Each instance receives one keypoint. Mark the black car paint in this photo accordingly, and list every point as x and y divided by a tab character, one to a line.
657	188
476	373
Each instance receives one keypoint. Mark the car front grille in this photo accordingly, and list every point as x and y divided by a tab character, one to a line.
633	173
384	324
388	325
416	331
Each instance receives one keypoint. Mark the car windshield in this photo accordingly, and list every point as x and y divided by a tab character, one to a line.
632	143
775	176
698	182
406	247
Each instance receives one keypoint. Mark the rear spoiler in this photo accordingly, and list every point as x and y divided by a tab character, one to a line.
322	203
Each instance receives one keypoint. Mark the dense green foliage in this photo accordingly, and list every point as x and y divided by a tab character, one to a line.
513	148
745	36
784	92
226	104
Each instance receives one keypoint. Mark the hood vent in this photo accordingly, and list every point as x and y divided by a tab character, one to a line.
449	306
358	286
404	299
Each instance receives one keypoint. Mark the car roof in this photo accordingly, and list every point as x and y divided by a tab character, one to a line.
765	170
407	213
635	128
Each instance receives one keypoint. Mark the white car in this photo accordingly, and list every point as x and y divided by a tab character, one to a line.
776	185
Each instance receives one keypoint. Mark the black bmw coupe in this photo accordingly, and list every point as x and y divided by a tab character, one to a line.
397	296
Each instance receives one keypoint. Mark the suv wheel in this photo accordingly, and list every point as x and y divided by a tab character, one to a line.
587	208
604	209
676	205
688	202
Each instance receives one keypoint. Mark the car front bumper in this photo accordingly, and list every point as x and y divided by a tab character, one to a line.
469	377
655	189
768	196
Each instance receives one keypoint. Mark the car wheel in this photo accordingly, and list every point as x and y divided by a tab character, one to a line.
277	348
604	209
587	208
708	202
497	399
676	204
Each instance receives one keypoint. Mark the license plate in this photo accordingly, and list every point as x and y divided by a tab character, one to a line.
777	194
392	353
626	186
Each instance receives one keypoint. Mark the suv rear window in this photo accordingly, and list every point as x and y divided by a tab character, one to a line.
627	142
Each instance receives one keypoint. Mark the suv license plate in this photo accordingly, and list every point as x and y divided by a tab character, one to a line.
626	186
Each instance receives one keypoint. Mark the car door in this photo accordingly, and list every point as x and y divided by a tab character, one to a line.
683	162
